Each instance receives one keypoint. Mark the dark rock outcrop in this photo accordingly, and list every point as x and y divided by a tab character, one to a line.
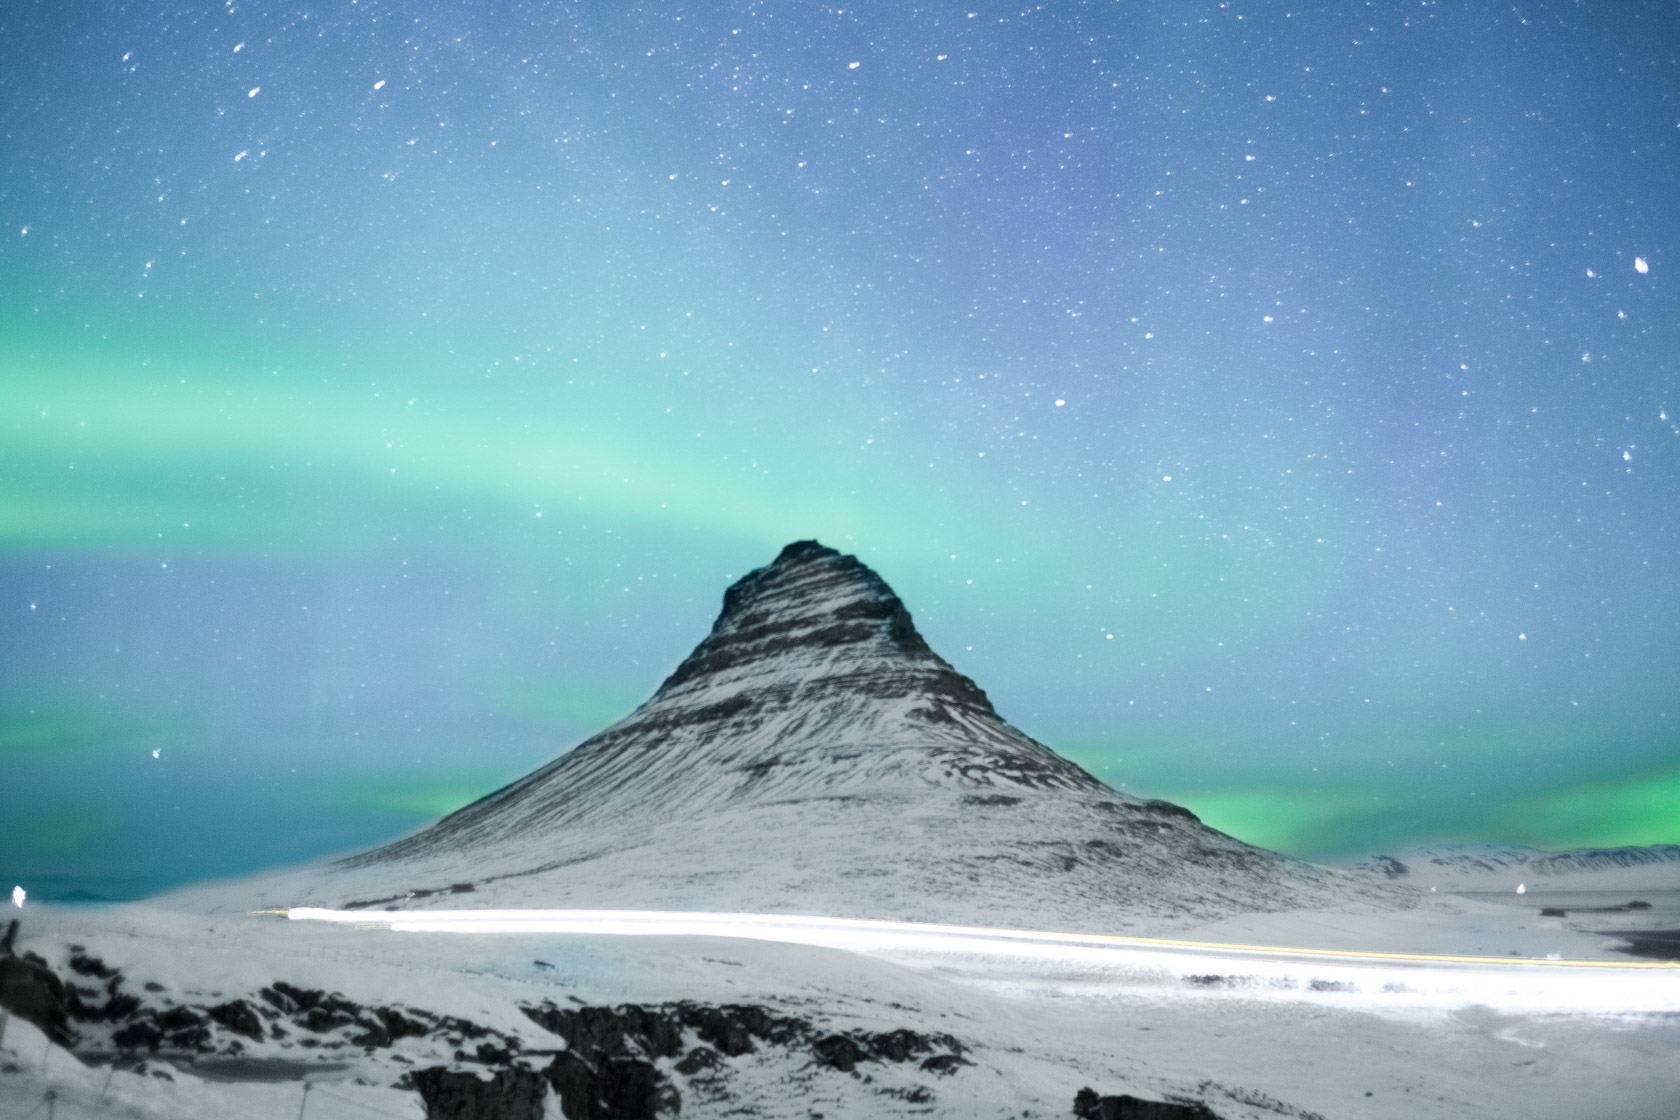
845	1052
112	1018
1087	1105
609	1072
109	1004
85	965
509	1094
631	1062
238	1017
603	1030
699	1060
32	991
836	1051
608	1069
611	1087
172	1028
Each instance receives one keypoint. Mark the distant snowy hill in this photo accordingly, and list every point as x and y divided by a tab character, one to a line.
1503	868
814	755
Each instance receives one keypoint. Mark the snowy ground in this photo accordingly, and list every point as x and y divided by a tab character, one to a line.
1250	1035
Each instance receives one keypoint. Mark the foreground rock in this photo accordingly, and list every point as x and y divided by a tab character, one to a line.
1087	1105
629	1062
609	1070
32	991
509	1094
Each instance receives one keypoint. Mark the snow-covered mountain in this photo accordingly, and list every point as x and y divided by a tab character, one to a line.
814	755
1502	868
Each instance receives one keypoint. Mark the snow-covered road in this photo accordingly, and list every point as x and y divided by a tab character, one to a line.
1095	964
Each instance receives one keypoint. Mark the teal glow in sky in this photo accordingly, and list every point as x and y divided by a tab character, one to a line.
1273	410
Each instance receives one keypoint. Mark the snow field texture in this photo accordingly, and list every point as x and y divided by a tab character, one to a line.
1034	1037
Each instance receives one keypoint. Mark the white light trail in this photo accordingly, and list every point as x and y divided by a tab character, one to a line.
1072	962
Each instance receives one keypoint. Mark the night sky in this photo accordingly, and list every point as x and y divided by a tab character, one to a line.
1275	408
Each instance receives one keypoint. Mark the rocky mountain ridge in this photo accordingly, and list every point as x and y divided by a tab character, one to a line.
1502	867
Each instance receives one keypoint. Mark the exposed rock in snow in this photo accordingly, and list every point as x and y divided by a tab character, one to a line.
635	1061
1087	1105
814	755
509	1094
612	1065
1490	868
33	992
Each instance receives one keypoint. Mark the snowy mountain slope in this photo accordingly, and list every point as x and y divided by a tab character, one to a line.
1501	868
814	755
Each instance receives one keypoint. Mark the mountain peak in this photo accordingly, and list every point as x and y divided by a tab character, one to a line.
813	683
821	615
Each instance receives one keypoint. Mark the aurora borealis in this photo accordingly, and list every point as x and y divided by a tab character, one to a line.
1273	407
